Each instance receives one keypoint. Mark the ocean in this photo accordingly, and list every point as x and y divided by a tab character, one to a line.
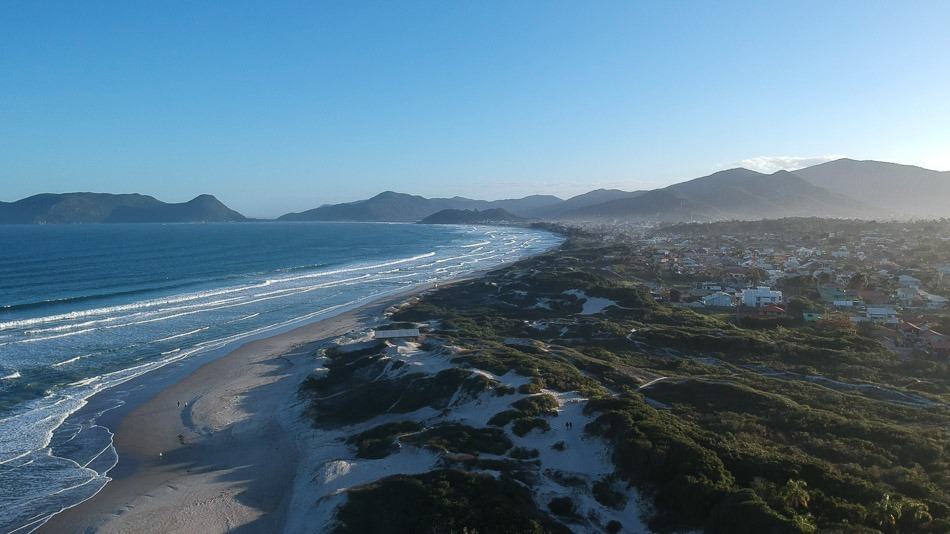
85	308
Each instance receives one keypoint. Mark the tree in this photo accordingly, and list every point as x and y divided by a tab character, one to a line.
795	495
914	516
886	512
858	281
796	308
756	276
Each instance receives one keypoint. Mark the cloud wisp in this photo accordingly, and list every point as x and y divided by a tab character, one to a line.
770	164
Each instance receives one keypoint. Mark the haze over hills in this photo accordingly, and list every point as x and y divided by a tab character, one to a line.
78	208
597	196
451	216
730	194
843	188
895	190
831	189
400	207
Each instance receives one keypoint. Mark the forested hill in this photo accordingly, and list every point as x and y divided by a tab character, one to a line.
87	208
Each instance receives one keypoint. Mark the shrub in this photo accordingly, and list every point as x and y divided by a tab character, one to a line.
463	439
524	425
537	405
562	506
380	441
524	453
530	388
444	501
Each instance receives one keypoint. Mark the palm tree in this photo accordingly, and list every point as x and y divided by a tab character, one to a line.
795	495
886	512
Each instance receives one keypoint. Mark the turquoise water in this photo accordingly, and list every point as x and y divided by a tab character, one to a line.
85	308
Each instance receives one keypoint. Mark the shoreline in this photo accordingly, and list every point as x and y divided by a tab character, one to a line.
216	461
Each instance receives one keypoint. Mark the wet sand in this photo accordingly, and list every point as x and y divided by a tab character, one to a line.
215	451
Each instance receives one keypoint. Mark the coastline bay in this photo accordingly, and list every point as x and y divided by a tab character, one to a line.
141	328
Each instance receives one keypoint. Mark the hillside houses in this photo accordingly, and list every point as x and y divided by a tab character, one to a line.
875	273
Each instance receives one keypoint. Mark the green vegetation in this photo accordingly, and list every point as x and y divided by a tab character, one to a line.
522	426
755	427
462	439
443	501
380	441
364	399
524	453
537	405
562	506
525	414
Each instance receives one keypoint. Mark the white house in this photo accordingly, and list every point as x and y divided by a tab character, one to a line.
719	299
760	296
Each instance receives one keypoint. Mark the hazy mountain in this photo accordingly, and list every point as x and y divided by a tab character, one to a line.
659	205
521	206
895	190
731	194
597	196
67	208
842	188
741	193
452	216
400	207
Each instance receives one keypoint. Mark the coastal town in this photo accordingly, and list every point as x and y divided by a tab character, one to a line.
889	280
743	376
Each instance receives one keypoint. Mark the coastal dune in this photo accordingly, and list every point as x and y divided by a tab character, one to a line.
216	451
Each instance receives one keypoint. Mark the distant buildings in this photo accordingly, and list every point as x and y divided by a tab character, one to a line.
924	338
758	297
882	315
908	281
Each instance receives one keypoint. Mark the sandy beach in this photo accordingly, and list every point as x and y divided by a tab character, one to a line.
216	451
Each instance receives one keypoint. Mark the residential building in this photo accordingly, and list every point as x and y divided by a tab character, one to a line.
882	315
760	296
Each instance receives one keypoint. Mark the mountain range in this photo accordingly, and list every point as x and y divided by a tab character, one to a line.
78	208
400	207
844	188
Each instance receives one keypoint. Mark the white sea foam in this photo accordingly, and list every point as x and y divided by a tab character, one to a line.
183	334
110	332
71	360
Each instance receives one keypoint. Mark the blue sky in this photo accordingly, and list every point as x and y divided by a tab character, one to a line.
280	106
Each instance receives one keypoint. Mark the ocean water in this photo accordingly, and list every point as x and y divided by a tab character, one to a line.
88	307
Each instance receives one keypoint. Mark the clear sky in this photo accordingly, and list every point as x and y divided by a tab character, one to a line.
277	106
